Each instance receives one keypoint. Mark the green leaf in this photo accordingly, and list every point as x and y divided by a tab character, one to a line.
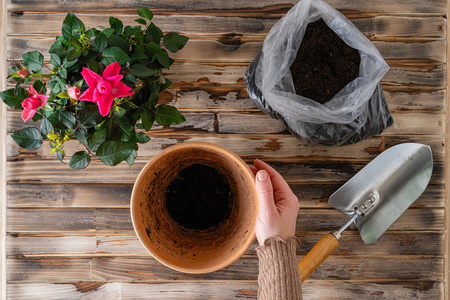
141	21
33	60
165	85
57	48
154	48
119	111
174	42
60	155
163	59
130	159
72	26
37	117
142	71
108	31
96	139
54	86
168	115
153	34
113	54
63	72
39	86
79	160
113	152
145	13
147	118
80	134
46	127
55	60
116	24
29	138
89	116
142	137
127	132
129	30
100	43
94	66
138	56
68	119
54	119
11	99
117	41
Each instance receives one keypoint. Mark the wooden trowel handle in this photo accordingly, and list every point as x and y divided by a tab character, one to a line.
317	255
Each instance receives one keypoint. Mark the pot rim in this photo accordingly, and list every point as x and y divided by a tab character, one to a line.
135	204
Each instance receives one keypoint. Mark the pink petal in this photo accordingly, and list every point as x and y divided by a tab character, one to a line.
114	80
111	70
27	114
88	95
42	99
32	91
104	104
121	90
91	77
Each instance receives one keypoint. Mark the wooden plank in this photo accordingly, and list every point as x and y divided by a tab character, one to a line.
218	79
446	275
376	27
3	147
200	290
279	146
201	50
233	98
147	269
423	123
115	220
53	171
413	6
81	196
62	244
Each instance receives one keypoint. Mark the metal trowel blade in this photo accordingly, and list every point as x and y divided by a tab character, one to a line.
396	178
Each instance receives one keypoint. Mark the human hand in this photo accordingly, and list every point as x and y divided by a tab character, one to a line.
278	205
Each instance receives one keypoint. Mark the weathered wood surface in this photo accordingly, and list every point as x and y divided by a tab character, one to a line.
206	50
26	195
201	290
119	220
63	244
147	269
119	6
69	232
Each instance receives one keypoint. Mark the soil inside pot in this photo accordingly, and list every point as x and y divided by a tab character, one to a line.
199	197
324	63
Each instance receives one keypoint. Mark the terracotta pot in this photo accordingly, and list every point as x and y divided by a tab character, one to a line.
189	250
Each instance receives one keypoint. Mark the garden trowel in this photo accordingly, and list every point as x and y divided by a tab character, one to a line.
375	198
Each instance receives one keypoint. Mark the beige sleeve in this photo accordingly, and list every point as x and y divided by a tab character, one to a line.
279	275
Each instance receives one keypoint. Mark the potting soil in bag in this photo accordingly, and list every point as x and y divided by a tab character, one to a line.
357	111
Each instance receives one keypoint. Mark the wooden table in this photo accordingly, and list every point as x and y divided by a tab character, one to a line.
68	235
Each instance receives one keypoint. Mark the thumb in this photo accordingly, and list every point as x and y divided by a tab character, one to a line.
264	190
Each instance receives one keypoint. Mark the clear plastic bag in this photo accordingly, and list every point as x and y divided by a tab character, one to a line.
356	112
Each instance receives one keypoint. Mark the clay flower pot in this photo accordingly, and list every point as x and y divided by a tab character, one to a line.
191	250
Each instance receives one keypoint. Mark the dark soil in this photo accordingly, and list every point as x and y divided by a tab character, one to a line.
324	63
199	197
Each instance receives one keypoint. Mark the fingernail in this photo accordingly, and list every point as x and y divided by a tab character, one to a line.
262	175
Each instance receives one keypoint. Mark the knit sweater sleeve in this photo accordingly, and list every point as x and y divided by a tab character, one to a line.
279	275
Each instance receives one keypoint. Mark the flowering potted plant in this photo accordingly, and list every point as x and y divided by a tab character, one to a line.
101	88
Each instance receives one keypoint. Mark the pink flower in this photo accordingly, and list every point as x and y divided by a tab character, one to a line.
74	92
23	73
32	103
103	89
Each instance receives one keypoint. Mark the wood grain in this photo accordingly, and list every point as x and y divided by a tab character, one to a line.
52	171
409	7
378	27
25	195
234	290
3	149
121	244
147	269
201	50
119	220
